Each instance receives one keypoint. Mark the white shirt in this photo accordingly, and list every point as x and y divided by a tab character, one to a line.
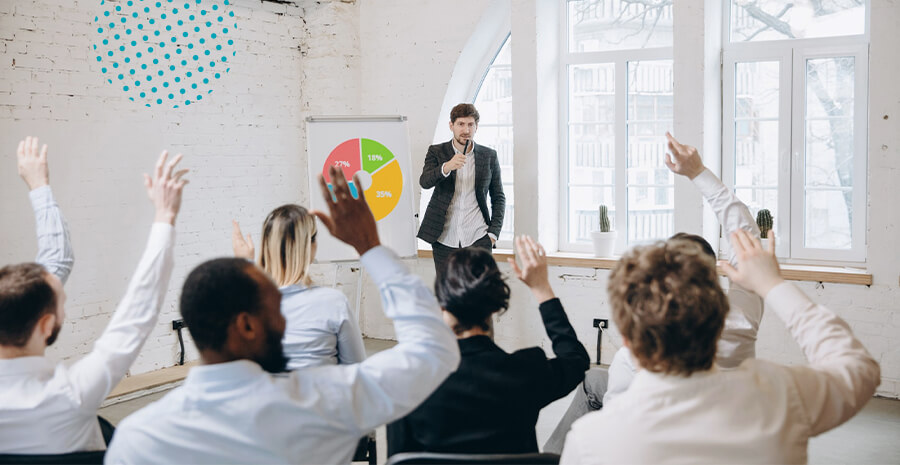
738	340
54	247
760	412
236	413
320	329
48	408
464	224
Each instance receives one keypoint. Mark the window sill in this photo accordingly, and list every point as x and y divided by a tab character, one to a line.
824	274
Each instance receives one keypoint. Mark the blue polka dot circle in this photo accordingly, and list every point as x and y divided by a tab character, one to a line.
165	52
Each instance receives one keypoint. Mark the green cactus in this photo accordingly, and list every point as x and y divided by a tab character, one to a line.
764	221
604	219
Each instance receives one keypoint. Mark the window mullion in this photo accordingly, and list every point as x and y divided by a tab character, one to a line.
621	153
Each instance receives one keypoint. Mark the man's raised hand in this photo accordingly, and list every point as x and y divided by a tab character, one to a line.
455	163
348	219
164	188
32	164
683	159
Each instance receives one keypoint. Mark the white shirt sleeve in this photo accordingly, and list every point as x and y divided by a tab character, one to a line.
391	383
350	348
621	374
730	211
95	375
841	376
54	246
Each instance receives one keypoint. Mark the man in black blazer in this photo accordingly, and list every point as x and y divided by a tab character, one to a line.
462	174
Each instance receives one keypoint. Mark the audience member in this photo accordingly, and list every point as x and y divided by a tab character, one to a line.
320	328
738	341
491	403
670	309
232	409
48	408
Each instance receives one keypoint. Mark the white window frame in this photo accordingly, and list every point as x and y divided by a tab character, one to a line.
508	181
620	58
792	54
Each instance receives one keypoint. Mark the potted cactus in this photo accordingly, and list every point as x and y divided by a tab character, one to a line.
764	221
604	239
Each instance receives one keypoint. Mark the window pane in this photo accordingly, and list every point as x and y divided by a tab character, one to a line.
756	164
591	146
829	152
756	89
827	219
584	215
651	213
651	204
599	25
495	129
758	20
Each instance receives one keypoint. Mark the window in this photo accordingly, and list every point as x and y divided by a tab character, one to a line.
795	121
493	99
616	105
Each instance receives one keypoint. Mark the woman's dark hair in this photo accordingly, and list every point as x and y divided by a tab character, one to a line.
471	288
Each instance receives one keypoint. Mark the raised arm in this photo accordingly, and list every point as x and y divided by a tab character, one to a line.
54	247
391	383
841	376
732	214
99	372
559	375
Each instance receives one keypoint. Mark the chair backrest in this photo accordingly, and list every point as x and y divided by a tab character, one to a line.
433	458
87	458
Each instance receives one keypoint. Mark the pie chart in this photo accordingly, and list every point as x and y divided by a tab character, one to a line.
376	162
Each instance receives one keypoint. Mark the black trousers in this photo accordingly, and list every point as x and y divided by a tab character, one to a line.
441	252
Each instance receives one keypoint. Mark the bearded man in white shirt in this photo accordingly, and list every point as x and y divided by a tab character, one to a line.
49	408
233	409
670	309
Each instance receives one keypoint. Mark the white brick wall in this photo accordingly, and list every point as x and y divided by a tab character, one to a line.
245	145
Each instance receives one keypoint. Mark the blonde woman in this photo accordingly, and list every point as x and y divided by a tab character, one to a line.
320	329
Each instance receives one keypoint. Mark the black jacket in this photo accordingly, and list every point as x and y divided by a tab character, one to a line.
487	181
491	403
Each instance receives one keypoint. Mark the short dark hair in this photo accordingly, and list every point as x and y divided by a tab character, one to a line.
471	288
464	110
699	240
667	302
25	297
214	294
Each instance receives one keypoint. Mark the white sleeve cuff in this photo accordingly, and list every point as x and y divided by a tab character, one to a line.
41	197
382	264
785	299
442	171
708	183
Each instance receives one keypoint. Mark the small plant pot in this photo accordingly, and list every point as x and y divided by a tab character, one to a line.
604	243
765	243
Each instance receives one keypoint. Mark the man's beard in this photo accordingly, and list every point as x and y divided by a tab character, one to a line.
53	334
273	359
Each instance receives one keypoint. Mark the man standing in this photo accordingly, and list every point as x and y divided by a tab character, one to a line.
462	174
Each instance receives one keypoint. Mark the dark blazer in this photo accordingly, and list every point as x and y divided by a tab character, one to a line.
487	181
491	403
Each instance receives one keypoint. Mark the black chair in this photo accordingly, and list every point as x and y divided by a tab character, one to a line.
365	450
80	458
433	458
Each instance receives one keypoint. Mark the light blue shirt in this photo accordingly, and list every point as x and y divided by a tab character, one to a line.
54	247
237	413
320	329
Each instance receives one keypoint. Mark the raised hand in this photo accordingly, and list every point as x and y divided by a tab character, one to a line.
348	219
164	188
243	247
455	163
757	269
683	159
534	267
33	164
